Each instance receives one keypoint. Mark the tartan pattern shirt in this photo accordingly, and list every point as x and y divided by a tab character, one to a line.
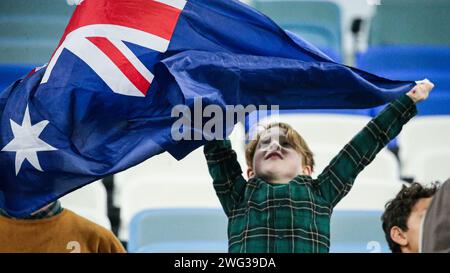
295	217
52	210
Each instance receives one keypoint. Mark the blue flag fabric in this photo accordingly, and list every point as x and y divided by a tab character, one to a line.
104	101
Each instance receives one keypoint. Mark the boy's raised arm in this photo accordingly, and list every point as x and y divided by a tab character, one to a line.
337	178
226	173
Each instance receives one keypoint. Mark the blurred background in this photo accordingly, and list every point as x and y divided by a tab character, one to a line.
163	205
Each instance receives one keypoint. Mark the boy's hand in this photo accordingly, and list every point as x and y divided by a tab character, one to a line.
421	91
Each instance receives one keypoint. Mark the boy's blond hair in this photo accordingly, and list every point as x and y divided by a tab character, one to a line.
294	139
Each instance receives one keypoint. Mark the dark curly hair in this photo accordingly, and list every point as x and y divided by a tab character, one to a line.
397	210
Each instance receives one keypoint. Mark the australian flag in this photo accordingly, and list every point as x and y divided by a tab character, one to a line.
103	102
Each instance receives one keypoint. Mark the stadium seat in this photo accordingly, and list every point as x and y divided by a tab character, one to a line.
405	57
31	29
409	63
357	231
140	195
413	63
431	165
205	231
162	181
318	22
322	129
438	103
163	167
89	201
370	194
179	230
385	166
419	135
22	39
186	247
399	22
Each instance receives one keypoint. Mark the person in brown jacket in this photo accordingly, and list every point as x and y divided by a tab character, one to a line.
57	230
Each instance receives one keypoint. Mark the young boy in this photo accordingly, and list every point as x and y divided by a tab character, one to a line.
281	208
403	215
54	229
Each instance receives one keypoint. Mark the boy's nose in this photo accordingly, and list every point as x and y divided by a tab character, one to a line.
274	145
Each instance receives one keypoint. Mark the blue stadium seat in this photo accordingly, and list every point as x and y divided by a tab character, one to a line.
252	118
9	73
186	247
357	231
438	103
405	57
409	63
318	22
205	230
415	22
413	63
179	230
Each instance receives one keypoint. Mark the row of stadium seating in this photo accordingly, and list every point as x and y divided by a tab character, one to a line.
166	224
395	22
205	230
31	29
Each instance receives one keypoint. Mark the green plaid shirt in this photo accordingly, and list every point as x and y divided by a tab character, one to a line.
295	217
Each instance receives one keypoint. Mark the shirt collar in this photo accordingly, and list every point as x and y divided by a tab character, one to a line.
299	179
52	210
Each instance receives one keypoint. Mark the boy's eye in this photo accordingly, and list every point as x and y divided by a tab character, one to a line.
285	144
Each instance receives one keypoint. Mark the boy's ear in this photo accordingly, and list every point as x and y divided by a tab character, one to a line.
399	236
250	173
307	170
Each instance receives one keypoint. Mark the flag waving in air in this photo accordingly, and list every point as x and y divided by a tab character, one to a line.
103	103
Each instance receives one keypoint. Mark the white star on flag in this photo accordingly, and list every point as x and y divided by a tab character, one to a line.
26	142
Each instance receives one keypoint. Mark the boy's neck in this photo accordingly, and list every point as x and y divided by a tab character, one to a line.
278	180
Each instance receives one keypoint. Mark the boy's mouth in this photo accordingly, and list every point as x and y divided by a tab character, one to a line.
273	155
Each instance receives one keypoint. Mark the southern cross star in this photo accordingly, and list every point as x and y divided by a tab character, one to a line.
26	142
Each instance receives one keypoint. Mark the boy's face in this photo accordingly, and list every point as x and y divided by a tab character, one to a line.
414	221
275	159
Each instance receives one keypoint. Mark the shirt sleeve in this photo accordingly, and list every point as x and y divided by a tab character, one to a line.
226	173
337	178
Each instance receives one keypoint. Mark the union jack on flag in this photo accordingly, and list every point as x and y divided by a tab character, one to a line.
98	38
